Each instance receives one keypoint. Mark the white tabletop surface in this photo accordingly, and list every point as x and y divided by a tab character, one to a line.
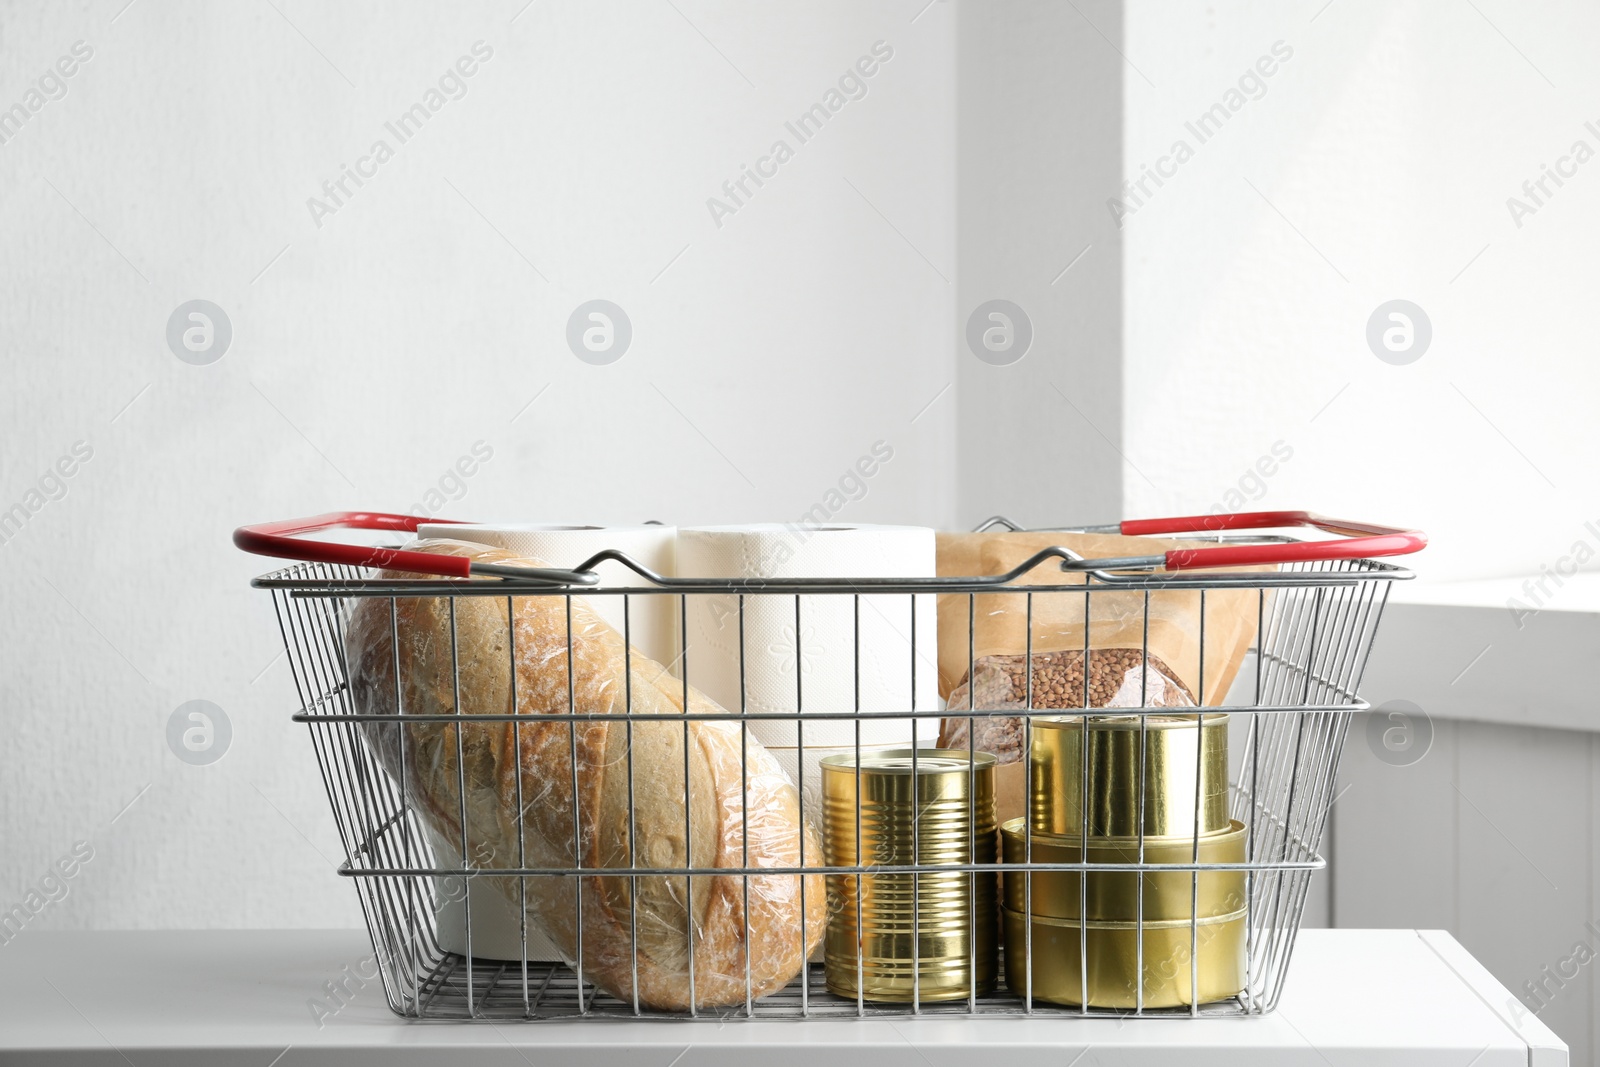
219	998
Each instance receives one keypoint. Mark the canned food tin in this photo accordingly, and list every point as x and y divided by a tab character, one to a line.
1060	947
1056	789
1114	895
919	936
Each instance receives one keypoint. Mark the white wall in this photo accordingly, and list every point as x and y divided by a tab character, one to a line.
1377	165
1390	141
768	354
1039	136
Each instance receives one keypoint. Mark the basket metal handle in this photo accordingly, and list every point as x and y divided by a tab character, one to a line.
1358	540
282	539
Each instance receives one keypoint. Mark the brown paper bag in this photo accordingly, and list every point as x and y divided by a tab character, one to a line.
1116	619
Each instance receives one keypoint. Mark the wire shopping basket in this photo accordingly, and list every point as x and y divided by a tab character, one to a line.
1160	865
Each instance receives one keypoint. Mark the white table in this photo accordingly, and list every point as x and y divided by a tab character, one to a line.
1360	997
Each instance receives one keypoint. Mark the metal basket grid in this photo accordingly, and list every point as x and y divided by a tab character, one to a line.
1316	625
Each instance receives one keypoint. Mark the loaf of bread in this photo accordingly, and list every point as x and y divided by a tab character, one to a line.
574	790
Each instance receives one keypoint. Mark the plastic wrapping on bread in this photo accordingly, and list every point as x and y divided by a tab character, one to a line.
538	794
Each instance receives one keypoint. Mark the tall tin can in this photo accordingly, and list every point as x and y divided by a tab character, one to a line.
901	936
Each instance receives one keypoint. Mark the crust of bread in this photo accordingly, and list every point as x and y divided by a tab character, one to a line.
571	783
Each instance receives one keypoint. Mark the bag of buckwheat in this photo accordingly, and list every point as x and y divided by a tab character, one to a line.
989	633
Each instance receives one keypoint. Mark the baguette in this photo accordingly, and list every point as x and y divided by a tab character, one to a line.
574	786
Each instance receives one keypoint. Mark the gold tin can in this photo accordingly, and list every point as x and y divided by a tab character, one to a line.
1060	946
1056	789
1114	895
919	935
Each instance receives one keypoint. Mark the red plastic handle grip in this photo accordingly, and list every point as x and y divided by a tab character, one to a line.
1358	540
281	539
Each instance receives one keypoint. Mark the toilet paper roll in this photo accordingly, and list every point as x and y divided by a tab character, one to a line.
496	931
653	619
821	656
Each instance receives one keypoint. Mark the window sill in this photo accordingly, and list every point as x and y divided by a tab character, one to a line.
1461	650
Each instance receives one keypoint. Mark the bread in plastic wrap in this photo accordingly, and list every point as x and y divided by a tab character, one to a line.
733	820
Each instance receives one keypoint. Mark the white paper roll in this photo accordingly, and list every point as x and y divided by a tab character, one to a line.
652	620
824	663
496	931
